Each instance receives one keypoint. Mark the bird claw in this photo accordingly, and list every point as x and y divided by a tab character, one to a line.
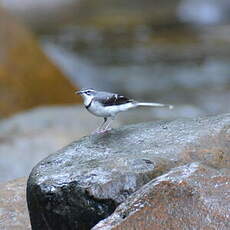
106	130
101	131
96	132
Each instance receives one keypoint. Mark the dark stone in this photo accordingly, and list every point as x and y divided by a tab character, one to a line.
64	208
84	182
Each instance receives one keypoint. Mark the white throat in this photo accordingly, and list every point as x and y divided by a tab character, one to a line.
87	99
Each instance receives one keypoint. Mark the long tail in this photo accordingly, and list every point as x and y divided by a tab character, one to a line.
153	104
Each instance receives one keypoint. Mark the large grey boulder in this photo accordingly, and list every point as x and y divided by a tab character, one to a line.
84	182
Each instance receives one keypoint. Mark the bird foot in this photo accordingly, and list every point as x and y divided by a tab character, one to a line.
101	131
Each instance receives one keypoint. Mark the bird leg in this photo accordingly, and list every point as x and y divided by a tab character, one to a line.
100	128
107	127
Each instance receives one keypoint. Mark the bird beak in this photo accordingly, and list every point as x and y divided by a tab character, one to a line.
78	92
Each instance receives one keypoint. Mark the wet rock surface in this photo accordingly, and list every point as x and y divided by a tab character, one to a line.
85	181
28	78
193	196
13	209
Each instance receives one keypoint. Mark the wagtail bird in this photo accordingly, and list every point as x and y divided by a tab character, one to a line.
105	104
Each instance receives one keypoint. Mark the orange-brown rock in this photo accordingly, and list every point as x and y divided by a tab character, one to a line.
193	196
13	208
27	76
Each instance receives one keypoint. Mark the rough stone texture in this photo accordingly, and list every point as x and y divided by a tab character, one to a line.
85	181
193	196
28	137
13	210
27	76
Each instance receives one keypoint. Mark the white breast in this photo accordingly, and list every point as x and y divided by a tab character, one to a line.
108	111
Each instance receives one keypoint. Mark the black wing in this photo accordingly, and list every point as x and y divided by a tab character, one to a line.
115	99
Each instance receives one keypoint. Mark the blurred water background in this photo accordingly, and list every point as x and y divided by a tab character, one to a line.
168	51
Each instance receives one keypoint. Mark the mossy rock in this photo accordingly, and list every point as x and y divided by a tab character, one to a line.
27	77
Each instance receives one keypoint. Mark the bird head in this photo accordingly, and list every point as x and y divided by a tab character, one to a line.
87	95
86	92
